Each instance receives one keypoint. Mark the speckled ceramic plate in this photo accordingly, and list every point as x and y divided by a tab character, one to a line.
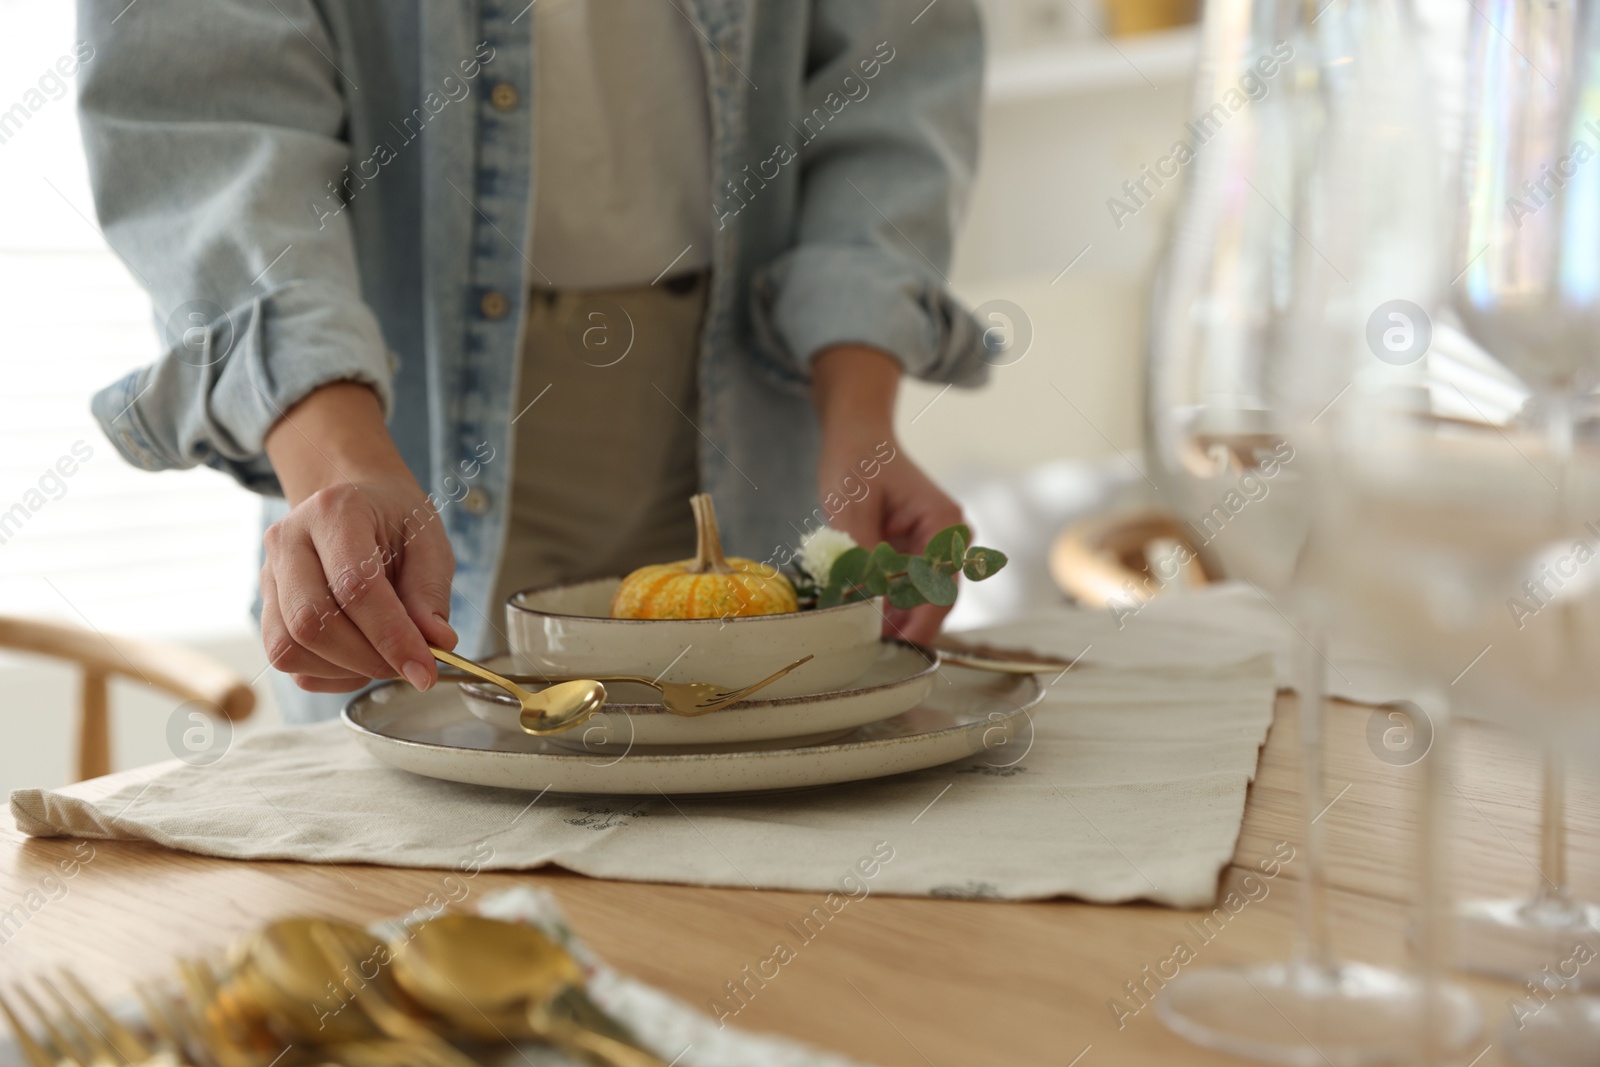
431	734
897	681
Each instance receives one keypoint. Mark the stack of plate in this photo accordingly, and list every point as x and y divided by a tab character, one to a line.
863	707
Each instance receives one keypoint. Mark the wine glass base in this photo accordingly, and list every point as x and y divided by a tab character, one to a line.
1562	1033
1521	939
1345	1016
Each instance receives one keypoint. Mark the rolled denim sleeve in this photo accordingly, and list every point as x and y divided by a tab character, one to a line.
211	130
883	186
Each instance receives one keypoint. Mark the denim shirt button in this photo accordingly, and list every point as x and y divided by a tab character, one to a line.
494	305
476	502
504	96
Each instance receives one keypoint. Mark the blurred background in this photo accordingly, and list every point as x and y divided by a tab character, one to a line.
1080	94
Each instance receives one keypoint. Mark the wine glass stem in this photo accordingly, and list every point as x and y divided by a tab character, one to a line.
1553	829
1310	693
1430	904
1553	816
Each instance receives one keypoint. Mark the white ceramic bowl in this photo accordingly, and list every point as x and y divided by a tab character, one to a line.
567	630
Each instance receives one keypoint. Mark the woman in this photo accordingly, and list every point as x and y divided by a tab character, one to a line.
479	294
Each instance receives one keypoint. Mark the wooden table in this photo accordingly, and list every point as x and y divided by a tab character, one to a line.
895	981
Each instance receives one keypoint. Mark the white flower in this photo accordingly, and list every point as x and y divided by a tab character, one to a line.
819	549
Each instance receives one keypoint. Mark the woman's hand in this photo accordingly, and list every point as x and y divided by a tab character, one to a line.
356	584
854	388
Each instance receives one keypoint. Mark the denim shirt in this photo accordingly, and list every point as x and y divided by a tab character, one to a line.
326	190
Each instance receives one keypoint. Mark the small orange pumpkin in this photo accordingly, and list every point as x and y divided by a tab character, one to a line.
710	586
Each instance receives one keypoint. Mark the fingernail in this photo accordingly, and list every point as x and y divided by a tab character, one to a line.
417	675
442	621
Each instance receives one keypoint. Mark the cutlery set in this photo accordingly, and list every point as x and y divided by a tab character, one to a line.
307	992
567	702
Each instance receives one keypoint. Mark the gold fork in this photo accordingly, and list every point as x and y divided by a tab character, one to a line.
82	1032
184	1028
688	699
168	1024
31	1050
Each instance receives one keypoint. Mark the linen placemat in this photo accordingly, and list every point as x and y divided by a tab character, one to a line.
1222	623
1124	784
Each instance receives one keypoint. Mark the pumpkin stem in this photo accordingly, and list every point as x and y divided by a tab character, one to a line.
708	555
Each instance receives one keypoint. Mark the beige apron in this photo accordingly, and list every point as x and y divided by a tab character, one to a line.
605	453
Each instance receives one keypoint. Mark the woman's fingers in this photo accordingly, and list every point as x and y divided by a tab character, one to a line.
356	567
422	580
313	617
312	684
914	519
919	625
283	651
862	520
333	614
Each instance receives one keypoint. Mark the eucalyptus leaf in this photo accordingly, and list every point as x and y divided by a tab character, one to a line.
983	563
909	581
849	567
876	582
942	546
887	559
938	587
903	594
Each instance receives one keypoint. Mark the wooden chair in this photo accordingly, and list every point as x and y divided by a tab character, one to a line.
1094	561
180	671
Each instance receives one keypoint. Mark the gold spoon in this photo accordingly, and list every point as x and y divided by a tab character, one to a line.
549	711
327	982
286	968
482	974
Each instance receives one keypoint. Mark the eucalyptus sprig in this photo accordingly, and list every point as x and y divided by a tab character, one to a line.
908	581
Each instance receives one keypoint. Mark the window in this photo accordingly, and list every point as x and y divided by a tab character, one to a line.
84	536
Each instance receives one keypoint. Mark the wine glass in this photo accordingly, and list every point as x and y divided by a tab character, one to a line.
1454	477
1526	211
1224	450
